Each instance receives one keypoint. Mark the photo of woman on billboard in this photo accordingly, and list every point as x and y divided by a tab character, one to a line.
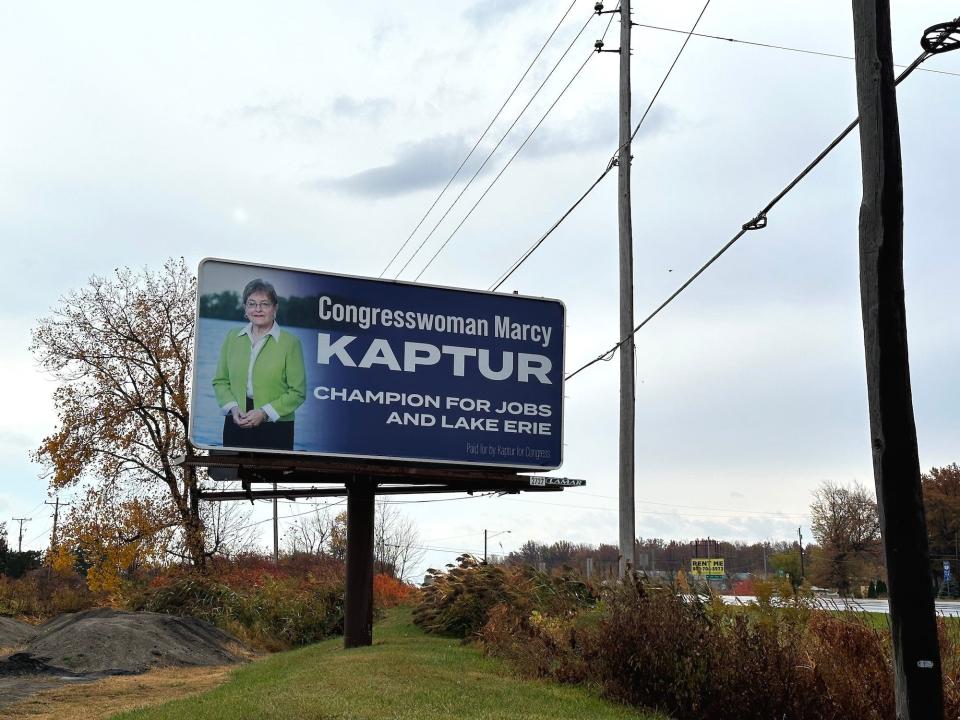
260	378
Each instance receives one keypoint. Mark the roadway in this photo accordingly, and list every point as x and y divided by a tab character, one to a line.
946	608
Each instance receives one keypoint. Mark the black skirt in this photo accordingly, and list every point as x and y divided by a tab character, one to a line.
268	435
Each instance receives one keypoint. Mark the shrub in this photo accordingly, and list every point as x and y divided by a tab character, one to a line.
272	615
270	607
42	594
389	592
693	657
458	602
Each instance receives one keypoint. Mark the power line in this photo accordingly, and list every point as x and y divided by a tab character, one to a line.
758	222
495	148
385	502
610	165
778	47
523	258
413	502
513	157
480	139
774	513
736	515
499	174
663	82
38	536
286	517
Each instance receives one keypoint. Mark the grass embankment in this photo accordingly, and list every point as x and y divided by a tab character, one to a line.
405	674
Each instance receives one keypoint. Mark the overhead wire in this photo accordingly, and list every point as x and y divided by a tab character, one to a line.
778	47
490	154
479	139
732	516
610	165
758	222
413	502
776	513
513	157
286	517
44	533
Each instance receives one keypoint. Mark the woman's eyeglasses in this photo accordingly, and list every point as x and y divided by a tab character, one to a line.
259	305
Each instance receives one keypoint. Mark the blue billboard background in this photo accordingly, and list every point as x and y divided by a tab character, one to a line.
517	424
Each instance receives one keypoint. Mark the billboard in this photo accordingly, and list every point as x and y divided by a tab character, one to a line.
709	568
296	361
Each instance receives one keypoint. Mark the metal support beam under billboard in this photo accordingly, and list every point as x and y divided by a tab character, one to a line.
361	489
358	601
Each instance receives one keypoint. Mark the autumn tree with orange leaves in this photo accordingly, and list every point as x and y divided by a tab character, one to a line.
119	348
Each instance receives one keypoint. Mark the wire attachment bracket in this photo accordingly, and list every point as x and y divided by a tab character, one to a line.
942	37
598	46
758	223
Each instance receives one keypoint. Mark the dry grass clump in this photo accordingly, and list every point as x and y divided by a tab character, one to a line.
42	594
109	696
459	600
269	612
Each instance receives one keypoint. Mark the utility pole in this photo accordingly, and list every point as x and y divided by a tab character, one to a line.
20	537
56	517
485	536
627	369
800	536
893	433
276	533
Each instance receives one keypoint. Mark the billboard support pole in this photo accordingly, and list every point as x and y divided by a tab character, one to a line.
358	603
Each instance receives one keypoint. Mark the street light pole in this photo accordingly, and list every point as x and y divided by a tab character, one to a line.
487	536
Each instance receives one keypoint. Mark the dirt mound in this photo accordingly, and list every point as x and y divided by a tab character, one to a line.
14	633
116	642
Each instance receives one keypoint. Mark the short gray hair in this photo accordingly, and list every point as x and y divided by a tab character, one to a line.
259	285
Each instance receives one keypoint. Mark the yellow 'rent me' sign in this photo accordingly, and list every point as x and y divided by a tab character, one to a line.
706	566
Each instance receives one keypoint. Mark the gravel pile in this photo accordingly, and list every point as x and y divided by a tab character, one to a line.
113	642
14	633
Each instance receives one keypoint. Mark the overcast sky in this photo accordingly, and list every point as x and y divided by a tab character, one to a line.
316	135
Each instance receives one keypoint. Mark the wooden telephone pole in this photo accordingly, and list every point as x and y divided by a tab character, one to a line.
893	434
54	540
627	525
20	536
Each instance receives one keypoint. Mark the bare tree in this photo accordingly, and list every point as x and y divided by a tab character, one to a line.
846	524
311	533
227	527
396	541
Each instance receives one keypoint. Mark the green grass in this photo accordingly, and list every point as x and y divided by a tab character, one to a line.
405	674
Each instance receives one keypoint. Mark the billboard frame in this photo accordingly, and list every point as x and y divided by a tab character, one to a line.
399	459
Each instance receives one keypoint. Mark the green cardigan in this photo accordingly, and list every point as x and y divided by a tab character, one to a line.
279	375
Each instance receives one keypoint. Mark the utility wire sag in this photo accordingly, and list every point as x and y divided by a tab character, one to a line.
503	169
610	165
758	222
479	139
779	47
464	189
